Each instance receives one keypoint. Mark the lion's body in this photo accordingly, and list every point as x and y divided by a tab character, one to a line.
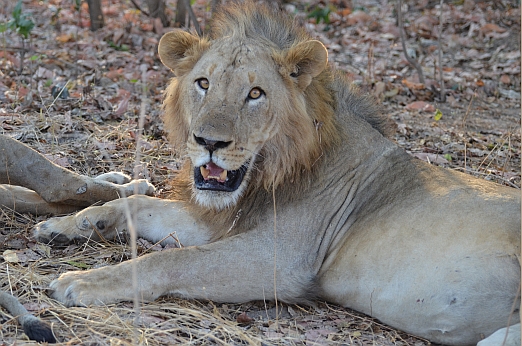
292	192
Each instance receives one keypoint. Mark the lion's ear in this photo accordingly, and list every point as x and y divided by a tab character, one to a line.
310	58
180	50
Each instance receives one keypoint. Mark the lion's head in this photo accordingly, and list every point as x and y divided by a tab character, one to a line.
250	103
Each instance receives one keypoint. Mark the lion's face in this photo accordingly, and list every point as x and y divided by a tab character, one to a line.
233	105
231	118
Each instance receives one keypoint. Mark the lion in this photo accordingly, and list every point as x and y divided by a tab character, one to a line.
291	191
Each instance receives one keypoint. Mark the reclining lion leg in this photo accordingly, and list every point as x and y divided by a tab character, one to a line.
220	271
23	166
24	200
109	220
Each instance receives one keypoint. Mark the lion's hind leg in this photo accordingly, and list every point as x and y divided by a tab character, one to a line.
24	200
23	166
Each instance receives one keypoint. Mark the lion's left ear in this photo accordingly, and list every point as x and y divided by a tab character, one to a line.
310	58
180	50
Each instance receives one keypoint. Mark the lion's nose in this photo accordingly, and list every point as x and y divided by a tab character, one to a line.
210	144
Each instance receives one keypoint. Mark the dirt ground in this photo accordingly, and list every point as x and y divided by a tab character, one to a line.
113	78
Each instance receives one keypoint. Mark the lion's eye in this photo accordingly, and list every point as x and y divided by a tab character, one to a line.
255	93
203	83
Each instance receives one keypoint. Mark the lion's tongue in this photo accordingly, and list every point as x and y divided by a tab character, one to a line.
213	171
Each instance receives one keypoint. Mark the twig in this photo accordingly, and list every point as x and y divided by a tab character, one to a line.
442	89
275	257
467	111
139	8
193	17
22	56
403	40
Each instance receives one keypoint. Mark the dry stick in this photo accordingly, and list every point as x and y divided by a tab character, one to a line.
442	89
141	121
275	256
464	130
370	63
193	17
139	8
403	40
131	217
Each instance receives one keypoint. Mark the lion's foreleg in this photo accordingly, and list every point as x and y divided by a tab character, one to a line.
153	219
236	269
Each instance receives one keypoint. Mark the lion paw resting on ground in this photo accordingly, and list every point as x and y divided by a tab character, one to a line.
290	178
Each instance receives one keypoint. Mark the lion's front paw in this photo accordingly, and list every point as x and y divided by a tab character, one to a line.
131	187
75	289
57	230
93	287
139	187
114	177
83	288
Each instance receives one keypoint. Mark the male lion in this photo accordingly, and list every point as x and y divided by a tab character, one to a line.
291	190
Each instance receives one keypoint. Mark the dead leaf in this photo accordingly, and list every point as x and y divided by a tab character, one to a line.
391	92
344	12
490	27
64	38
505	79
243	318
358	17
412	85
420	106
10	58
10	256
34	306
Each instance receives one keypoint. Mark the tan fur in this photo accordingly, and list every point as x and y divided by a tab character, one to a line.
328	207
29	183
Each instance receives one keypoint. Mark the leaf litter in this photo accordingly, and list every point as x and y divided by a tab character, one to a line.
94	129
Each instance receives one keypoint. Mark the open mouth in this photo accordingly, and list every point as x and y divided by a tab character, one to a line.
212	177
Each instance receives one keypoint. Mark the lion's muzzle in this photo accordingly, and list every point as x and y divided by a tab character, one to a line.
212	177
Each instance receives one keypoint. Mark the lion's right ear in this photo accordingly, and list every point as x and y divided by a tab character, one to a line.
180	50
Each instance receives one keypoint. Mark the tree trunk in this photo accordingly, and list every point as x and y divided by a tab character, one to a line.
95	14
157	10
